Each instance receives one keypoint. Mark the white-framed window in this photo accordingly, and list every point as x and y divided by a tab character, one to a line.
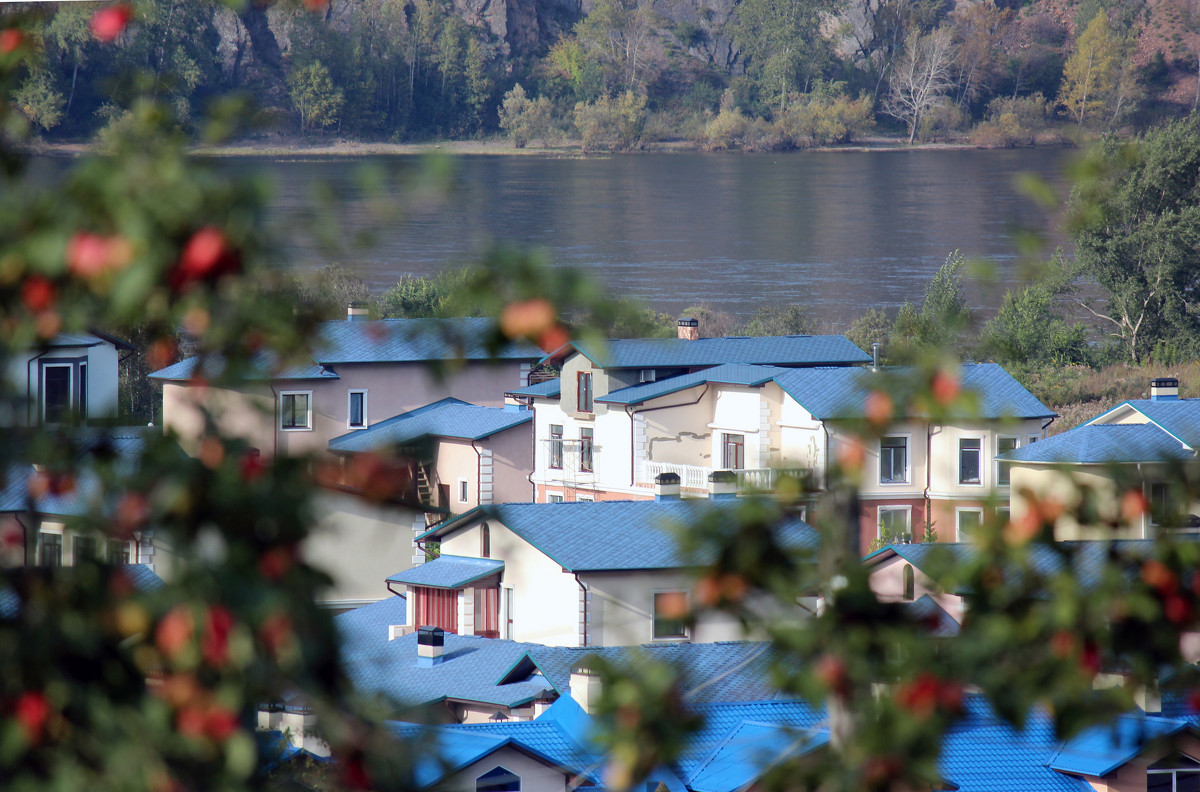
57	392
83	548
554	498
356	410
733	451
295	411
895	523
464	490
1004	445
670	615
1033	438
584	499
970	456
120	551
967	521
893	459
910	584
556	447
50	547
1176	773
647	375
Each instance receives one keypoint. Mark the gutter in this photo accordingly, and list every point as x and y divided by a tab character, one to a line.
584	589
25	531
29	384
276	419
929	433
1052	419
630	414
479	475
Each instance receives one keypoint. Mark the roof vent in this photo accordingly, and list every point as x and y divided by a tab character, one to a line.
666	486
357	311
689	329
431	646
1164	389
722	484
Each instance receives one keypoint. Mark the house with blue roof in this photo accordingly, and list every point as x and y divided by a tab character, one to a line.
576	573
68	379
1131	448
759	419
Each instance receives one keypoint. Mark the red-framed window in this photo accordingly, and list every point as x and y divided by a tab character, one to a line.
584	381
437	608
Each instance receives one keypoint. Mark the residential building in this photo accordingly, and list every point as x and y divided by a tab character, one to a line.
574	574
70	379
757	420
362	372
1131	449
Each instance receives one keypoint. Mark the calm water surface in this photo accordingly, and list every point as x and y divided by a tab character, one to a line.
837	231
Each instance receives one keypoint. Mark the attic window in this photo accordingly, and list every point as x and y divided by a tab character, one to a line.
647	375
1177	773
499	779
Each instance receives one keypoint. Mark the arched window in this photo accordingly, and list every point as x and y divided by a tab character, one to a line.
499	779
485	541
910	583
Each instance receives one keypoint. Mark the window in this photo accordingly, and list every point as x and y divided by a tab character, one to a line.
1003	445
1159	495
1033	438
585	450
1003	514
670	615
584	499
554	498
893	460
357	413
969	453
464	489
647	375
498	780
556	446
733	451
1176	773
118	551
967	522
49	549
295	410
584	382
56	392
83	548
485	541
910	583
894	523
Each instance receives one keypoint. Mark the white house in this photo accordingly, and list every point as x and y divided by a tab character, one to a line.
69	379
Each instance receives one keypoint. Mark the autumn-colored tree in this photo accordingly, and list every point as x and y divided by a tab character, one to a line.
1098	78
314	96
923	77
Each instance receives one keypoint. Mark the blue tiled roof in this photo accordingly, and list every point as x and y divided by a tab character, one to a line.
141	576
607	535
730	374
265	367
547	389
446	418
926	609
749	751
804	350
86	493
722	720
1179	417
448	572
1100	750
74	340
842	392
413	341
1093	444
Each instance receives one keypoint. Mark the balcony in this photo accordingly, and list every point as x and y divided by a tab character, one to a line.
692	477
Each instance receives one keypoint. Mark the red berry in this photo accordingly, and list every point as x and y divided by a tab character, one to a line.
108	23
220	723
174	631
31	711
10	39
38	293
215	646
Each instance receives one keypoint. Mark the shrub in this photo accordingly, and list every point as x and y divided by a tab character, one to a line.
610	122
826	116
525	119
1012	122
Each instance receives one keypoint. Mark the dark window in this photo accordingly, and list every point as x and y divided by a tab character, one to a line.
1177	773
358	403
556	446
1160	503
893	525
56	393
498	780
1004	444
910	583
733	451
83	548
585	391
293	411
968	460
893	460
118	551
485	541
464	489
670	614
49	549
969	523
585	450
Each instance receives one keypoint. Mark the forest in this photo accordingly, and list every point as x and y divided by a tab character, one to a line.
622	74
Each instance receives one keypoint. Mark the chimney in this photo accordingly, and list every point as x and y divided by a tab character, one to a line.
357	312
585	687
398	631
431	645
689	329
1164	389
875	356
666	486
722	484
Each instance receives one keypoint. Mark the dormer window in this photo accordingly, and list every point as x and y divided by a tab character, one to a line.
62	390
647	375
584	381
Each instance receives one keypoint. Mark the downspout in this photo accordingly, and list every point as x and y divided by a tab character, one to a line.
1052	418
479	475
25	532
630	413
275	418
929	433
29	384
584	589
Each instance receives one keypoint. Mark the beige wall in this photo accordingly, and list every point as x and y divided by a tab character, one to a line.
887	581
680	435
498	466
620	608
536	776
1131	777
247	414
1066	486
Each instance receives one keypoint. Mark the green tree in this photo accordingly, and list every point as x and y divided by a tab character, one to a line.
314	96
1136	228
1098	78
618	37
524	119
783	42
780	320
415	297
39	101
612	122
1032	327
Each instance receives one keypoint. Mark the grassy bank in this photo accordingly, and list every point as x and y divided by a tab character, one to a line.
1078	393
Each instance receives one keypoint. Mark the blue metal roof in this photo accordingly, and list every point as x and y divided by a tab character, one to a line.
548	389
926	610
608	535
262	368
1178	417
842	392
729	374
414	341
1097	444
803	350
448	572
720	720
749	751
1099	750
449	417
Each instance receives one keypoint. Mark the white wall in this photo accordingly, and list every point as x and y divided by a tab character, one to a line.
102	385
620	608
536	776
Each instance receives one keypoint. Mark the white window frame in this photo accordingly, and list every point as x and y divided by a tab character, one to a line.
71	386
958	513
464	490
308	427
687	633
585	499
1017	444
900	508
554	497
982	455
350	409
129	550
62	544
907	460
1033	438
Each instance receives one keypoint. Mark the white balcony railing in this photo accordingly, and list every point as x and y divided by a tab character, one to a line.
696	478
